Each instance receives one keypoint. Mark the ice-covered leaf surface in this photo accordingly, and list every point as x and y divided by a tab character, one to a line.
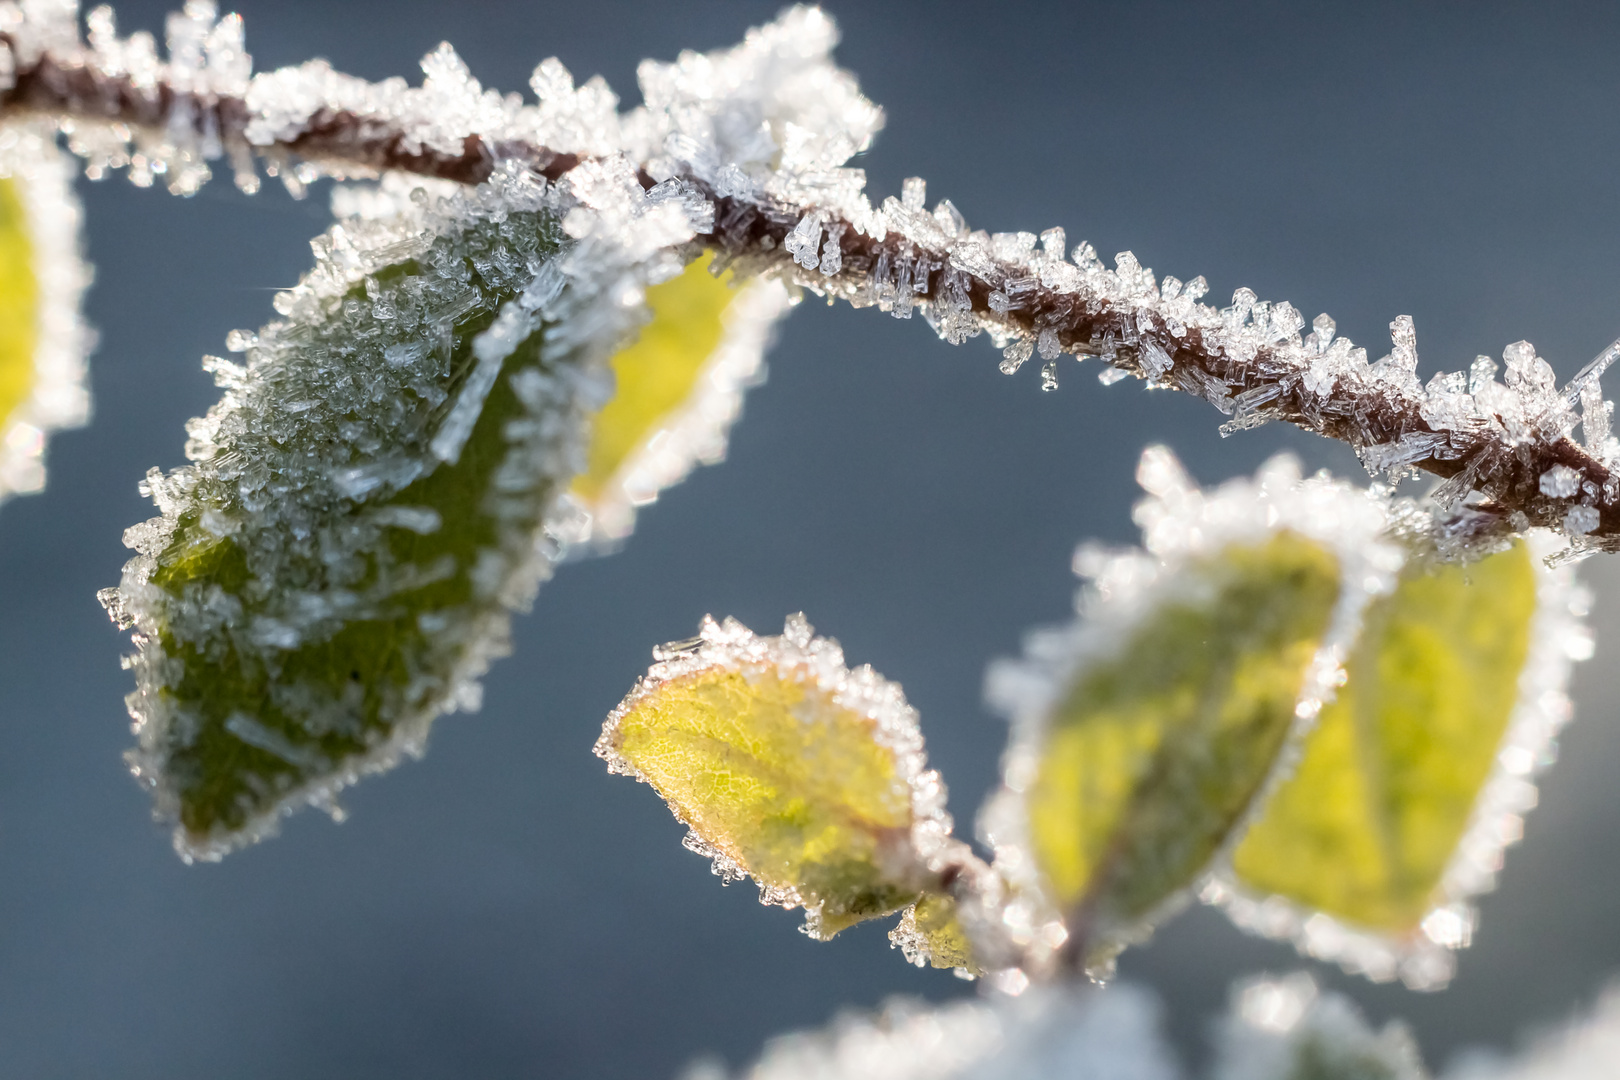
787	767
1146	732
383	482
43	340
1415	777
676	390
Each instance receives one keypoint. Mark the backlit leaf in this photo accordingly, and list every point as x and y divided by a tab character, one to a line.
1147	731
382	484
1287	1029
1415	776
788	768
676	391
43	340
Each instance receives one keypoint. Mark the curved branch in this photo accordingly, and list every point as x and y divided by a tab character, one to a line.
1509	442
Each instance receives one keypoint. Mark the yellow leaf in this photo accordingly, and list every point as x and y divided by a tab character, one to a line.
678	387
787	767
43	340
1370	828
19	302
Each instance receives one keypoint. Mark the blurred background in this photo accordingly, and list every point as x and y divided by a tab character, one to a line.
504	908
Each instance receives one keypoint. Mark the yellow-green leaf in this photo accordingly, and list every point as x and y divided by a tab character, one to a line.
787	767
677	389
1154	753
1391	778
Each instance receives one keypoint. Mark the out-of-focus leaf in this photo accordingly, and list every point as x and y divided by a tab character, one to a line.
1145	732
787	767
19	302
1391	772
43	339
677	390
1389	817
1286	1029
1154	753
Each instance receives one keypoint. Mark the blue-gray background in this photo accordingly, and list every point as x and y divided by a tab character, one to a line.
506	909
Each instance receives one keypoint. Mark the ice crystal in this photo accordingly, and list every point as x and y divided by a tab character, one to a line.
768	128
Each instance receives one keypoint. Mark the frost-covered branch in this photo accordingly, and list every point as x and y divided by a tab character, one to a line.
755	141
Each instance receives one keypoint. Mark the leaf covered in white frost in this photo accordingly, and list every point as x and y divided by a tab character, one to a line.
1308	704
1145	732
382	483
790	768
1418	775
44	342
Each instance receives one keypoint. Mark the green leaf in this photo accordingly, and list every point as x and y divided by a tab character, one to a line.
1153	754
677	389
1387	818
368	502
787	767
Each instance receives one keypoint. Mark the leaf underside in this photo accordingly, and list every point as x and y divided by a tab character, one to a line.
1390	774
781	780
1155	754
